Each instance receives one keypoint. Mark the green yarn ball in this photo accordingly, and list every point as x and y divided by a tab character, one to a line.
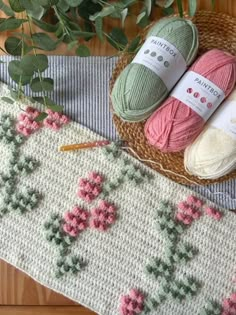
138	91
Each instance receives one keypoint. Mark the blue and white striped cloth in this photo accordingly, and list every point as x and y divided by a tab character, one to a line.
82	87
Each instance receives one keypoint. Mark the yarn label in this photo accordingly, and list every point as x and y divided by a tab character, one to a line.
198	93
163	58
225	118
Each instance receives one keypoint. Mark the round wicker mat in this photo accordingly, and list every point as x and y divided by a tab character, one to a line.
216	30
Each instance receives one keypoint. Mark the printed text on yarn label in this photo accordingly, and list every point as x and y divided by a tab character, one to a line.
198	93
225	118
162	58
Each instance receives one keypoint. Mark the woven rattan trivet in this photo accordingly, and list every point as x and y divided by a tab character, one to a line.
216	30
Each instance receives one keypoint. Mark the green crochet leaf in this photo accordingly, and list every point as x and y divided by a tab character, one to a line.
69	265
13	198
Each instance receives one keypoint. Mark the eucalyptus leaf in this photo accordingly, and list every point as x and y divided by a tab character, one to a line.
41	117
72	44
148	5
7	100
28	4
83	51
37	85
88	8
37	12
43	41
53	2
134	44
7	10
16	5
99	28
124	14
180	7
118	35
128	3
55	107
34	63
17	74
15	68
84	34
142	20
74	3
13	46
88	26
11	24
45	26
63	5
74	26
44	3
140	17
192	7
164	3
13	93
49	103
168	11
105	12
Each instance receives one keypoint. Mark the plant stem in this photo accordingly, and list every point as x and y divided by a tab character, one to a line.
35	54
19	94
64	27
122	47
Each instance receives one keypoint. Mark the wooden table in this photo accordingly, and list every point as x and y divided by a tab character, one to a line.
19	294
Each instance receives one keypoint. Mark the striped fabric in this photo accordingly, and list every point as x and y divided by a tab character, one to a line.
81	86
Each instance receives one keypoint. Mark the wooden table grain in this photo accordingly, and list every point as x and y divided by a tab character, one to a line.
19	294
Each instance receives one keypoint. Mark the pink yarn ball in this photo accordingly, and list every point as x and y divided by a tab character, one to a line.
174	126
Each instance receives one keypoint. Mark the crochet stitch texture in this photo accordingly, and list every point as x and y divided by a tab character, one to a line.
115	260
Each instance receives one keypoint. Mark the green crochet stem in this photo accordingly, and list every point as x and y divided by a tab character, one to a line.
68	265
212	308
129	172
19	165
163	270
55	234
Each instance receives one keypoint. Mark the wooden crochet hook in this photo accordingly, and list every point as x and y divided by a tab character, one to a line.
85	145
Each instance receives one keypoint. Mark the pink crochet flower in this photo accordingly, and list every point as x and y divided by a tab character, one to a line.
90	188
229	305
75	221
214	213
95	177
132	304
55	120
26	123
103	216
189	210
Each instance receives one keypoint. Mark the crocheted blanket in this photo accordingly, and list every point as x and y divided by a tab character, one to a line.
103	229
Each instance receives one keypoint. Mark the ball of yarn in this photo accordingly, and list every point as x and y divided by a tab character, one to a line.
213	153
174	126
138	90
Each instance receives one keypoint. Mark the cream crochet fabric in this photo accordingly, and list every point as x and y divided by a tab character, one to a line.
115	259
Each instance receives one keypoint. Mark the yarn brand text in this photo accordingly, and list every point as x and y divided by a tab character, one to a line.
164	46
208	87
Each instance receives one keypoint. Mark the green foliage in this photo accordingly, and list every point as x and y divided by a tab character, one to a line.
82	51
192	4
71	22
6	9
43	41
